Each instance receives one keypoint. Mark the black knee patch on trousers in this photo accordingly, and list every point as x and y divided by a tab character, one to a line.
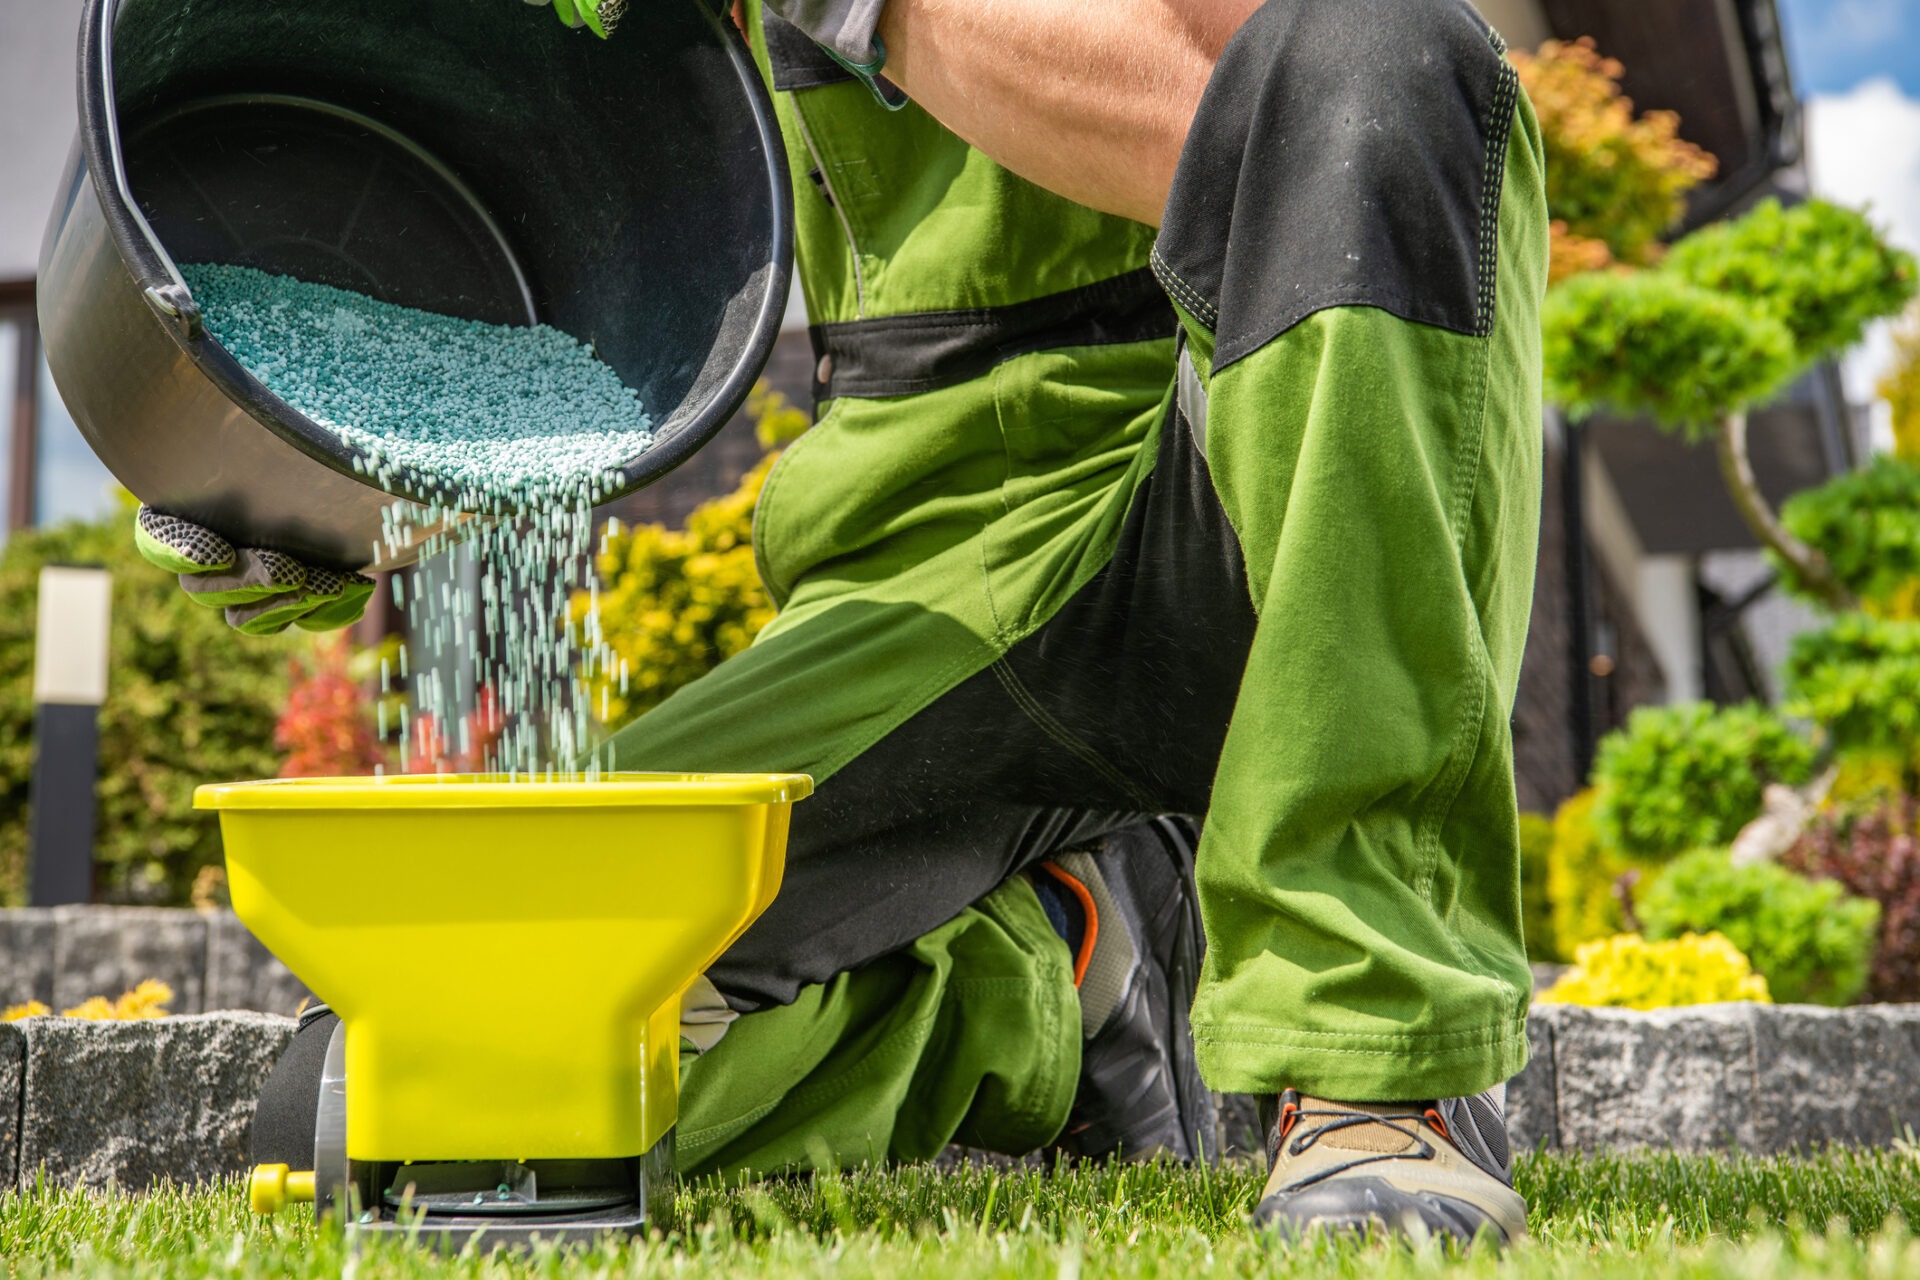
1345	154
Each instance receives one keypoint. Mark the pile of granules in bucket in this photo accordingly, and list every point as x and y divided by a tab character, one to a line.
522	411
522	424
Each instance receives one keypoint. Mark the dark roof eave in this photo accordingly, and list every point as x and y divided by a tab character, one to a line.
1779	144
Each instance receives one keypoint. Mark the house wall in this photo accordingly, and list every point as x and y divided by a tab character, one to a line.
38	43
1545	764
1519	22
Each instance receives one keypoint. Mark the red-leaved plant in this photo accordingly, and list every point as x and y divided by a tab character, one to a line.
432	749
1875	854
327	726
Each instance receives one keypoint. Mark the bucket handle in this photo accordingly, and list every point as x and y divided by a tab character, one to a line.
154	271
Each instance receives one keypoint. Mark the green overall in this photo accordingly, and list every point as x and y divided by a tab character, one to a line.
1358	871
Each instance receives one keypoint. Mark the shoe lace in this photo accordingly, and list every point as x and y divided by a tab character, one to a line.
1298	1128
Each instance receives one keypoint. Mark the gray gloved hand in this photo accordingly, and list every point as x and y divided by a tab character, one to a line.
263	592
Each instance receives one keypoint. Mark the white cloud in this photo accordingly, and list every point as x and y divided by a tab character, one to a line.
1863	150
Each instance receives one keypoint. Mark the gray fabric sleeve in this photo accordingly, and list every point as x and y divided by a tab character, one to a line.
844	26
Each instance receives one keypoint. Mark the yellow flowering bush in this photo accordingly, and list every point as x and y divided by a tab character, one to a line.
1900	387
1582	877
1616	183
675	603
148	1000
1628	972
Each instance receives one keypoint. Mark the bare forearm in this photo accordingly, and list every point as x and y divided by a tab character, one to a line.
1088	98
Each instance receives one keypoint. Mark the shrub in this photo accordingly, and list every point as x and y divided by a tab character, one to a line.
675	603
1810	939
1900	386
1584	879
327	727
1616	184
1683	776
1859	679
188	701
1654	344
1628	972
1536	908
1867	525
1875	855
1820	270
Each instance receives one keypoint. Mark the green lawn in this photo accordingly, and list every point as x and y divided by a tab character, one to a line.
1842	1214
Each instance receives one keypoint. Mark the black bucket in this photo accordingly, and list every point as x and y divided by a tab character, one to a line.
471	157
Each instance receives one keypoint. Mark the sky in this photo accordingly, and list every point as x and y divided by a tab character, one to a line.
1856	66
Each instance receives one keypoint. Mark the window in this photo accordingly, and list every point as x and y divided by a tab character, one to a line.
9	368
19	346
47	471
70	483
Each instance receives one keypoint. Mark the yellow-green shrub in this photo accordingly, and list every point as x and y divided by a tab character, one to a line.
1582	875
1812	939
1628	972
1536	908
675	603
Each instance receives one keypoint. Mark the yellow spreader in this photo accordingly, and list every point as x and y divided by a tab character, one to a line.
507	960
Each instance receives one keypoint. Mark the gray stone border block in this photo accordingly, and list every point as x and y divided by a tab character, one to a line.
1530	1095
104	952
1752	1077
132	1104
243	974
26	956
61	956
13	1070
1835	1075
1669	1077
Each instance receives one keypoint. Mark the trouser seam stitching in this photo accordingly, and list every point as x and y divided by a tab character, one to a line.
1187	295
1490	1033
1065	737
776	474
1492	185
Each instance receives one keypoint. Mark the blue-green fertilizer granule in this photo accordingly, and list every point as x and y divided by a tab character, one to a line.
481	415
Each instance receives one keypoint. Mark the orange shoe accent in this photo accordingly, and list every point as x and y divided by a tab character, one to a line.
1092	933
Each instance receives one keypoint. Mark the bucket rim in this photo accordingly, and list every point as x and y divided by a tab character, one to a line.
496	791
158	279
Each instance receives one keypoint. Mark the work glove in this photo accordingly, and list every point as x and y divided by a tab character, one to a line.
263	592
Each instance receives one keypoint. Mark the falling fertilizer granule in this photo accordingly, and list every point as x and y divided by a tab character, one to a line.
522	425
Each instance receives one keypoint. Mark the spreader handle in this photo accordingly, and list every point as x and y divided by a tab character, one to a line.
273	1186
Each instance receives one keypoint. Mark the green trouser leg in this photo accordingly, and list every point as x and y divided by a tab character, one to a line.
970	1035
1359	872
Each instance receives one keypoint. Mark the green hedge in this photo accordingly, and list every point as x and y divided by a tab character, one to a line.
188	701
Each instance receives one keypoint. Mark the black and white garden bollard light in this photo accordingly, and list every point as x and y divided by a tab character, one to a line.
69	684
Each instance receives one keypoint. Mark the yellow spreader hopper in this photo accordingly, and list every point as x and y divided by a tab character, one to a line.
507	959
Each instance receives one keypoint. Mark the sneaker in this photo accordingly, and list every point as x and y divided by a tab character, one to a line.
1409	1170
1128	911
